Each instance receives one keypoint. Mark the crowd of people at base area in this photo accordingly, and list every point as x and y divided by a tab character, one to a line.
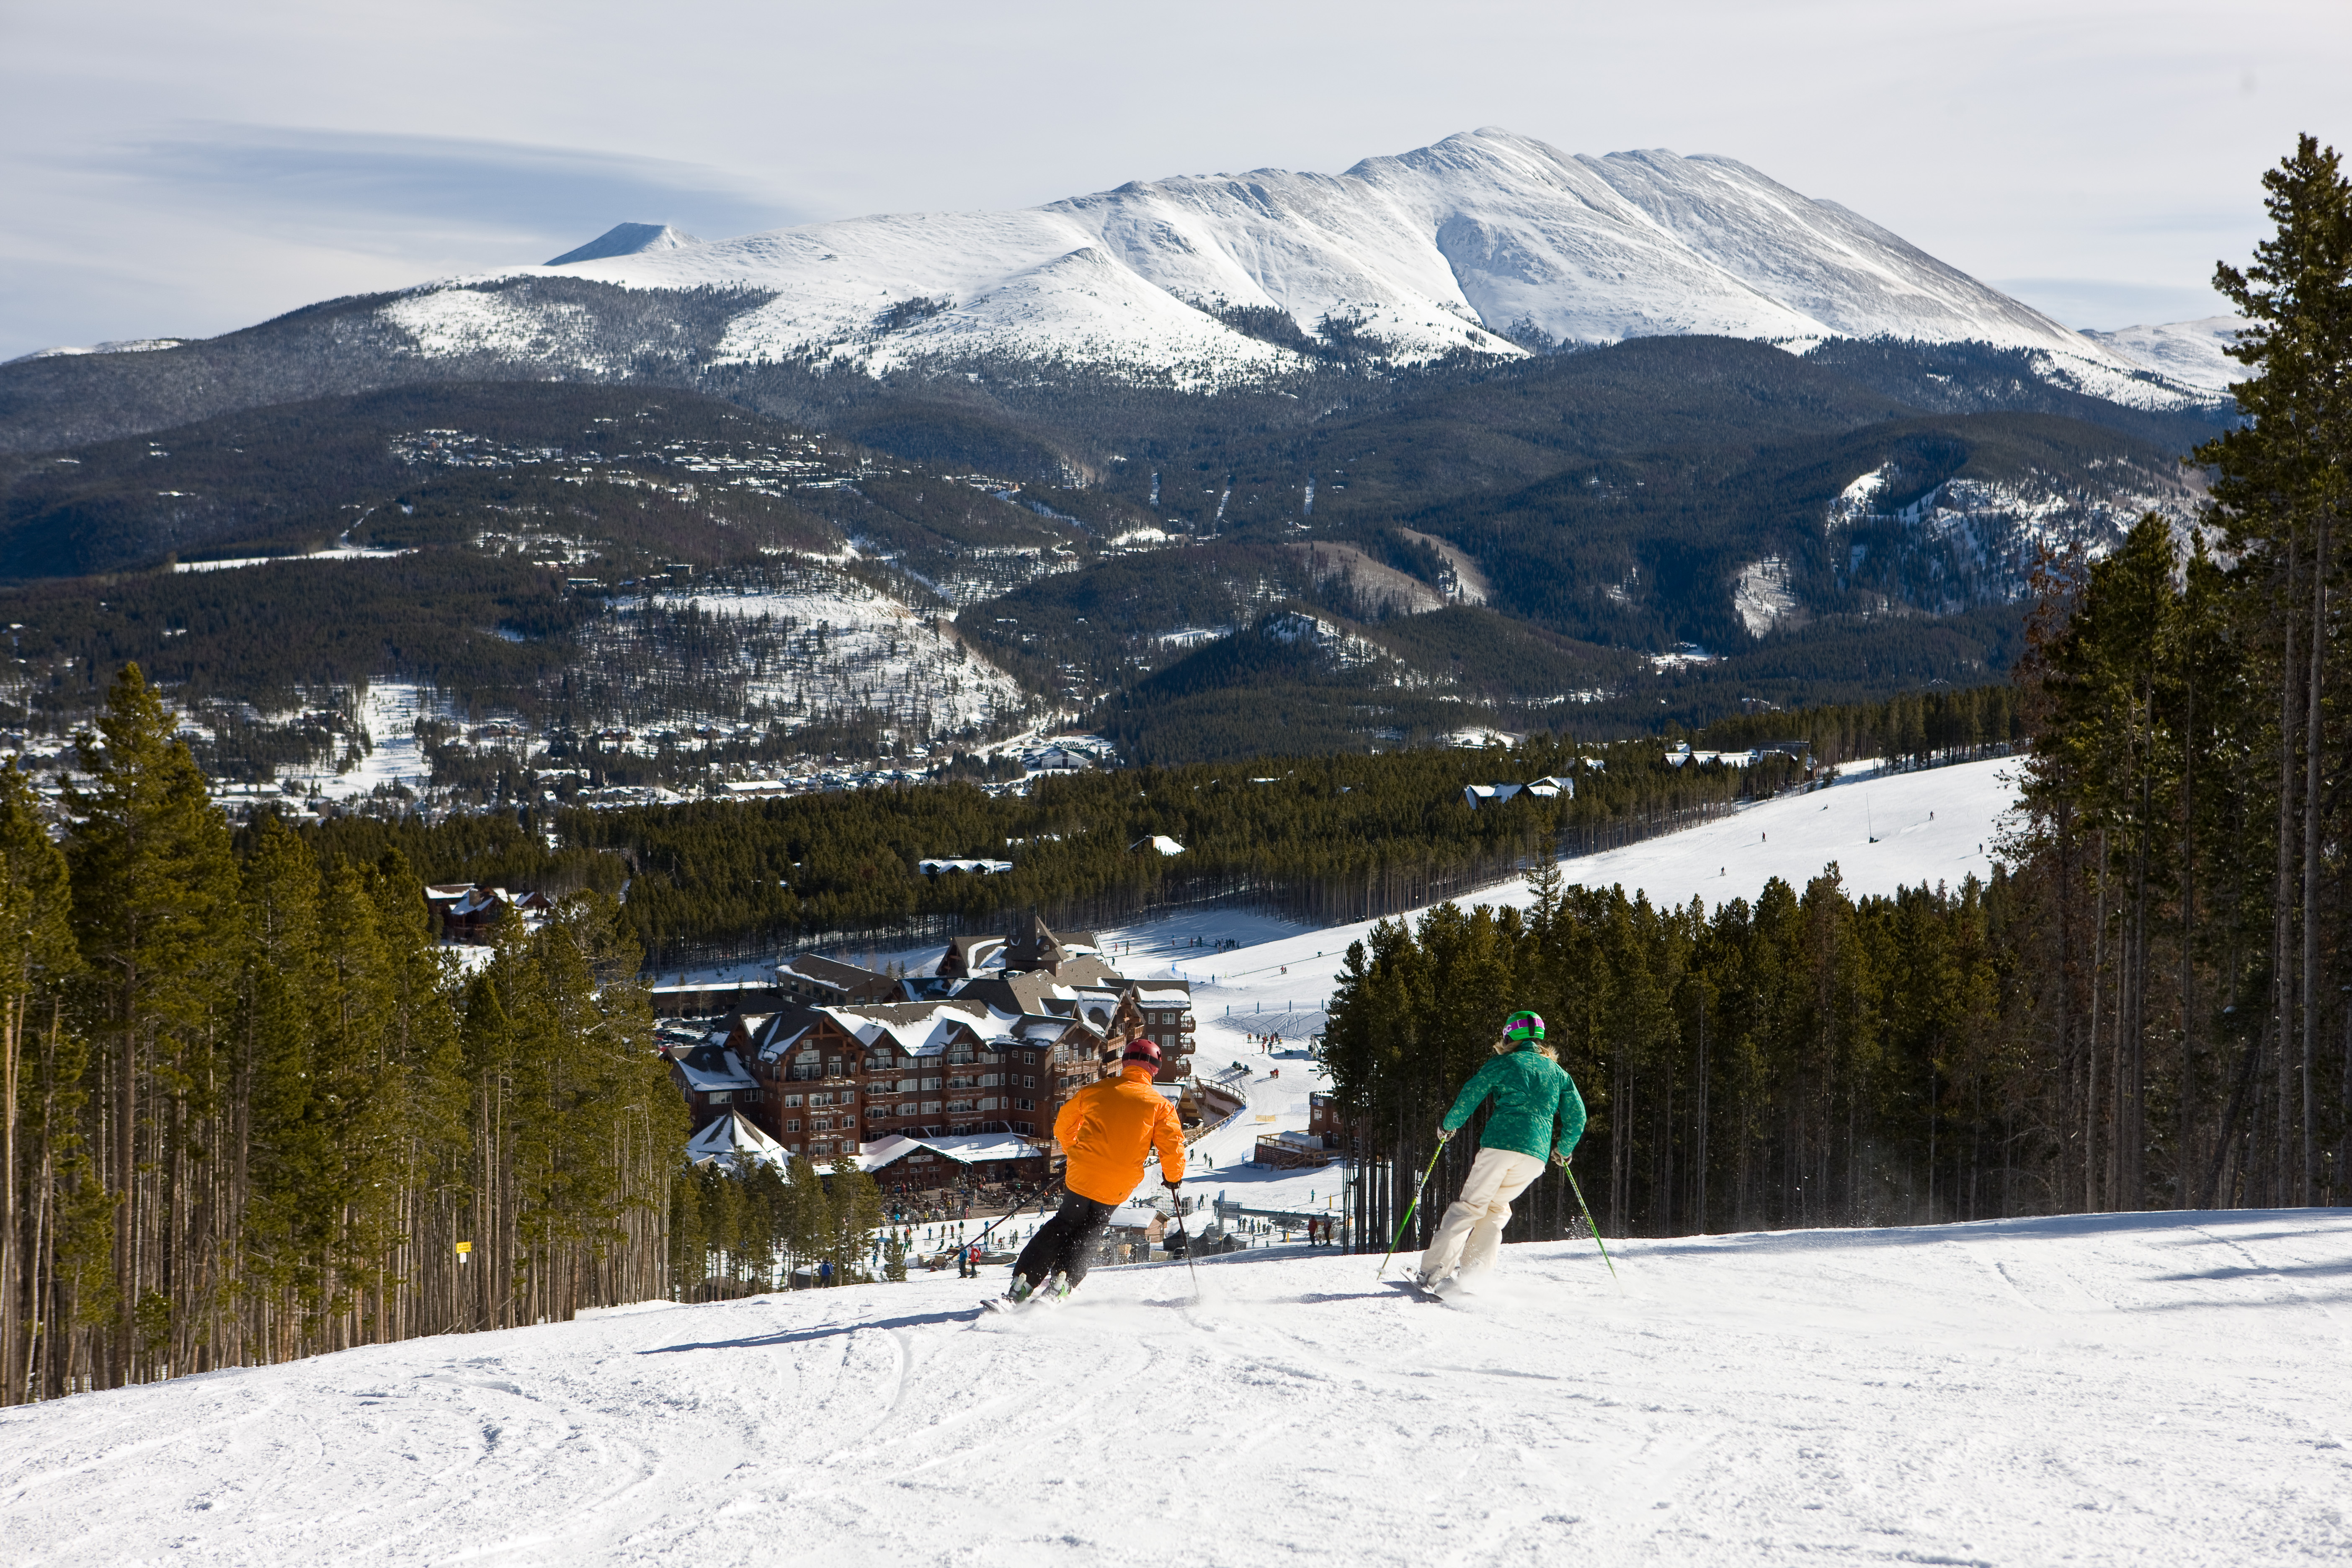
1267	1045
1000	1198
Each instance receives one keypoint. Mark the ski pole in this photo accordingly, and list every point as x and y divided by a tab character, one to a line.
1603	1246
999	1219
1399	1237
1187	1241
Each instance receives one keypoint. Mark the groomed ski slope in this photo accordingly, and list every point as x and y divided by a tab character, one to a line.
1882	831
2120	1389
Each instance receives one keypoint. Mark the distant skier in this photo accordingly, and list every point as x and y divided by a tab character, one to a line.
1106	1128
1532	1093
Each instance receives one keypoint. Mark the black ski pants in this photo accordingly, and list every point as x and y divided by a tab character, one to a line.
1065	1244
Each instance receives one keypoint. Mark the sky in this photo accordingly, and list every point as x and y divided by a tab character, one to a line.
178	170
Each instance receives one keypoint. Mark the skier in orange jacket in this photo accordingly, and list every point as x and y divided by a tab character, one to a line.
1107	1128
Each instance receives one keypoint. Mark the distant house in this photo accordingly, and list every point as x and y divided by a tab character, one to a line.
971	955
1160	842
815	981
731	1139
1133	1231
1290	1151
1167	1008
714	1080
964	867
714	998
901	1163
473	914
1545	788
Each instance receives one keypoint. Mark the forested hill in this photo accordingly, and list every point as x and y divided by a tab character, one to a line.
1328	839
1597	543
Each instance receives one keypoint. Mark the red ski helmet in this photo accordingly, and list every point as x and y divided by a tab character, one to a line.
1142	1051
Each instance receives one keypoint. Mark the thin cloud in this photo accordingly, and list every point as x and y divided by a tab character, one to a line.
327	180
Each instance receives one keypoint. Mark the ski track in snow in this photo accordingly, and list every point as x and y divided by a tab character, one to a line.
2109	1389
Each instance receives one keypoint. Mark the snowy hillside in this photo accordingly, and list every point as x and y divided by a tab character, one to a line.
1485	240
2190	352
1884	831
2117	1389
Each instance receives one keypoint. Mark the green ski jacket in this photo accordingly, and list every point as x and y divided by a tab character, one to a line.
1531	1091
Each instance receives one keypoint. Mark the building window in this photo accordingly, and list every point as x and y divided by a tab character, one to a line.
821	1124
1028	1081
931	1107
793	1125
931	1083
991	1080
875	1112
791	1102
1025	1105
961	1080
720	1096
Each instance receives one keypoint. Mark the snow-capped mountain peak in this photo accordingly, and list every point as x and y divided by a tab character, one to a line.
1487	241
626	239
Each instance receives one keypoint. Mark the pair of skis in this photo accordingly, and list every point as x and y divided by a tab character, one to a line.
1415	1282
1052	1293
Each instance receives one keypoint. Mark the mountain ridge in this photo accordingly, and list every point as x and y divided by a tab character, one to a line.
1485	247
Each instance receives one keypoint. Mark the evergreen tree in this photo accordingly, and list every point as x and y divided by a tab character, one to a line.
153	906
36	955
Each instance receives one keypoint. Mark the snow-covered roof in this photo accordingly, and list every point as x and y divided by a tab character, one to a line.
709	1071
732	1137
920	1028
972	1149
1160	841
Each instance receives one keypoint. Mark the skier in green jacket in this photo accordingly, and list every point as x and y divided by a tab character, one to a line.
1532	1093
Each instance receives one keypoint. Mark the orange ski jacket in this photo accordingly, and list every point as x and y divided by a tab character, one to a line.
1108	1127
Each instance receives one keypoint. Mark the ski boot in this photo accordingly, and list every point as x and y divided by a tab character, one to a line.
1430	1286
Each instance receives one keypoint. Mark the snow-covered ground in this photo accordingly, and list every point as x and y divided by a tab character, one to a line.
2125	1389
2190	351
854	648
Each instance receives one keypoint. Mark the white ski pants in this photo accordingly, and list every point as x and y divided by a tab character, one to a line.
1472	1231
